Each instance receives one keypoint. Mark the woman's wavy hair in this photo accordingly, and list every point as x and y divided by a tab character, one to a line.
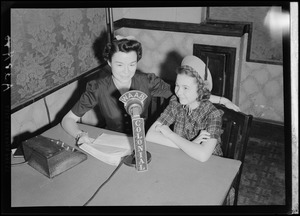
203	91
123	45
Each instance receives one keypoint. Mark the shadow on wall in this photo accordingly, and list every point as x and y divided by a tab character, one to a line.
99	45
168	74
18	139
169	66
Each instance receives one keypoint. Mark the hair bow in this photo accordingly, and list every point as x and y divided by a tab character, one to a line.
119	37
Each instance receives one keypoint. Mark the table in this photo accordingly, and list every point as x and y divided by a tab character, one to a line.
172	178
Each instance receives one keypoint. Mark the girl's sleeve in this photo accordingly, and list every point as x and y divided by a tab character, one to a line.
87	100
215	123
168	115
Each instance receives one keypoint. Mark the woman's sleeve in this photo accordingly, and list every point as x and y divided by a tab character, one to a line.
215	123
168	115
87	100
158	87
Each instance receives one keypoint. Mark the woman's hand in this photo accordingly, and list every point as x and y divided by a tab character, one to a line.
226	102
202	137
84	138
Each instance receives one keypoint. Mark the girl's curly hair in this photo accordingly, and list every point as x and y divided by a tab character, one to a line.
203	91
123	45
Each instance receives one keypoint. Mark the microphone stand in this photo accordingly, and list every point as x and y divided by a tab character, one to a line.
134	104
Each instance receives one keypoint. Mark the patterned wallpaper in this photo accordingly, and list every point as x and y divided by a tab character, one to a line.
50	47
266	45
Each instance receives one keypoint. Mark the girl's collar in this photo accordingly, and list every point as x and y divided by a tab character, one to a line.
188	109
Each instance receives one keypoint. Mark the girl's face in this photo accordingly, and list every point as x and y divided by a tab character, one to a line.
123	65
186	90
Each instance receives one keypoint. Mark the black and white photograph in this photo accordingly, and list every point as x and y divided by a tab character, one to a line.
148	107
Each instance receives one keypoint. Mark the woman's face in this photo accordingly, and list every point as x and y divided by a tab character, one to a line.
123	65
186	90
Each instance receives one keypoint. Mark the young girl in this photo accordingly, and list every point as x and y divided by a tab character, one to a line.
197	122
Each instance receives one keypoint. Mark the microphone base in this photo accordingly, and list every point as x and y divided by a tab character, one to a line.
130	159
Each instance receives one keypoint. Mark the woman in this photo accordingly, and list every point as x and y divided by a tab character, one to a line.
118	77
190	113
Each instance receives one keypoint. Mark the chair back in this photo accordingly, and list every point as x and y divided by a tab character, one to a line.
236	130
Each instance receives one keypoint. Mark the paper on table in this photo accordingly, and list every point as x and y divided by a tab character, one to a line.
109	148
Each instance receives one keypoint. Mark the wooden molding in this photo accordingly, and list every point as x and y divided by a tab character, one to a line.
210	27
267	129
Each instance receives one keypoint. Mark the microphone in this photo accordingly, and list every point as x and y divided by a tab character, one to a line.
134	104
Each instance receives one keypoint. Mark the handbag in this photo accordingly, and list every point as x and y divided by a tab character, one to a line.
51	157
